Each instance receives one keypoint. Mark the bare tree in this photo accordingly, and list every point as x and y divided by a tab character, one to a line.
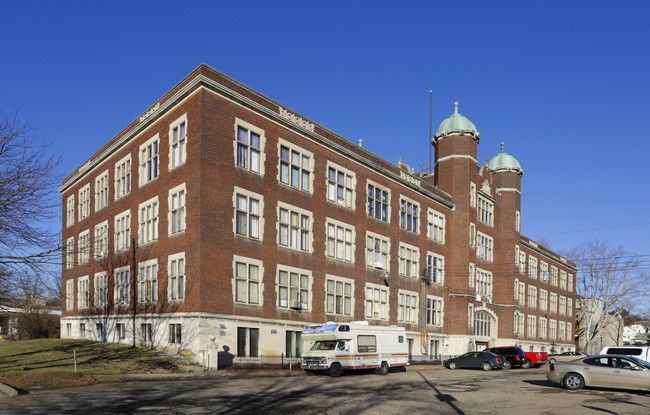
608	279
28	181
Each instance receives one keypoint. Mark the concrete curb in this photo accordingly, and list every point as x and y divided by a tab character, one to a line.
8	390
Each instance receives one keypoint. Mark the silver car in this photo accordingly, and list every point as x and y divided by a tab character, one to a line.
607	371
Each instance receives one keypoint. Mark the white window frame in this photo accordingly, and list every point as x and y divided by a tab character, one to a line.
291	236
176	277
341	188
552	329
552	302
531	326
339	296
69	252
563	279
177	143
288	288
69	294
101	289
472	275
84	202
254	220
101	191
435	310
569	307
532	296
436	226
177	210
522	262
377	258
304	184
83	294
122	285
409	215
484	283
377	305
148	281
437	265
149	164
100	241
532	267
409	260
554	276
384	212
543	300
83	247
544	275
485	210
122	231
484	247
243	285
123	177
569	282
148	220
543	328
250	128
340	241
407	307
562	305
522	293
69	211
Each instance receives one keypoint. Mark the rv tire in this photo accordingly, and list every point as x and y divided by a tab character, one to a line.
383	369
335	370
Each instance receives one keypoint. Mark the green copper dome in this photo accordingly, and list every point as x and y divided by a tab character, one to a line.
456	124
505	162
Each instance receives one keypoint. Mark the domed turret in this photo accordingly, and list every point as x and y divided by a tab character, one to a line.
456	124
505	162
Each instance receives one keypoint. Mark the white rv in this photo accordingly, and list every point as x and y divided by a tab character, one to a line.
334	347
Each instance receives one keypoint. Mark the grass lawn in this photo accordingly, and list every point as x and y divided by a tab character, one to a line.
49	363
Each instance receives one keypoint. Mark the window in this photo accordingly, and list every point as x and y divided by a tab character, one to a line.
175	333
84	202
532	267
146	332
522	262
532	296
69	294
554	276
248	213
561	332
82	329
407	311
69	211
543	271
472	195
542	327
434	311
69	253
562	306
472	274
436	268
482	324
470	315
552	329
339	299
516	290
294	288
484	246
532	326
377	249
570	283
367	344
101	240
543	300
522	293
177	142
485	210
122	286
295	226
247	282
101	289
553	303
84	247
517	221
340	241
149	160
176	273
518	321
83	296
148	281
295	166
123	177
293	343
177	210
376	302
436	227
563	280
148	219
249	146
568	331
483	283
247	342
101	191
378	202
409	256
120	329
409	215
123	231
340	185
569	307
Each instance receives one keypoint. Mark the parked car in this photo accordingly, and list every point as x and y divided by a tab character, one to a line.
537	358
477	360
566	356
641	352
608	371
515	356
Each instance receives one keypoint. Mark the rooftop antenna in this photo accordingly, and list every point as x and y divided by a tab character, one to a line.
430	126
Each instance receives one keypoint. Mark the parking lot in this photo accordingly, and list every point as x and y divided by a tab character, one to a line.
418	390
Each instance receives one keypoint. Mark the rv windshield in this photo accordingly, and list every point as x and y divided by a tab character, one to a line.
328	345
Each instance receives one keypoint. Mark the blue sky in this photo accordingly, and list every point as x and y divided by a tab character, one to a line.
563	83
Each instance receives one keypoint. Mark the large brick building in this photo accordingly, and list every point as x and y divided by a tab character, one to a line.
220	217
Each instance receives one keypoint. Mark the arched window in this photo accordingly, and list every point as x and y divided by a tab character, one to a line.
482	324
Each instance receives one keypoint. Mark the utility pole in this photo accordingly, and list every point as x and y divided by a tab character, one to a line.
134	300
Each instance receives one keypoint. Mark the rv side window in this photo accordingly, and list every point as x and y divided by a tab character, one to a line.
624	350
400	339
367	343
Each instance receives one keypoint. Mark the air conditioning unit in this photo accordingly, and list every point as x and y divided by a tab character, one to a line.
478	297
296	305
379	265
